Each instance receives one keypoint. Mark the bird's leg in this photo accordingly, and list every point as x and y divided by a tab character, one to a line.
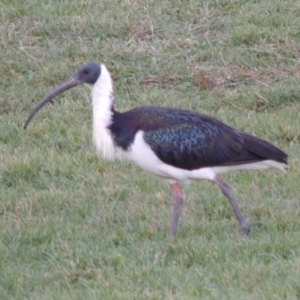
226	190
178	203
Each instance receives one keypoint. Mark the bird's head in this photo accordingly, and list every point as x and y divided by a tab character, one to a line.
89	73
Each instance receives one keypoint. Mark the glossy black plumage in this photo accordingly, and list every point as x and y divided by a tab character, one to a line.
183	139
189	140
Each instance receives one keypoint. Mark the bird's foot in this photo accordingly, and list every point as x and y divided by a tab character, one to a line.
247	228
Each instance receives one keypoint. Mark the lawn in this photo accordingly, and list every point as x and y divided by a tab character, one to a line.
74	226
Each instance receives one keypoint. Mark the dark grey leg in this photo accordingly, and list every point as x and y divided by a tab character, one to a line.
178	203
226	190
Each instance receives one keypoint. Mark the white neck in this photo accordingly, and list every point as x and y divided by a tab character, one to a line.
103	98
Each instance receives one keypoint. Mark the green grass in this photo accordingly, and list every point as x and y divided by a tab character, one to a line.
74	226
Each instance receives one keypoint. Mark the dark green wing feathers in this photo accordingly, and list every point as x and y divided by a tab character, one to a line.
193	145
189	140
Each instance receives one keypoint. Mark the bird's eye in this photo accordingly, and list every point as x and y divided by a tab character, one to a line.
85	71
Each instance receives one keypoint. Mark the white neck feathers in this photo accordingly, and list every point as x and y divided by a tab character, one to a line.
103	98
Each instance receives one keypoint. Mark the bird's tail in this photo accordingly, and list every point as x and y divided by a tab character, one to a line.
259	149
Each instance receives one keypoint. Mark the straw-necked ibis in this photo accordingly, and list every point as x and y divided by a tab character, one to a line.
175	144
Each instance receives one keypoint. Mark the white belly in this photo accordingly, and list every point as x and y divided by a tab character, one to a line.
142	155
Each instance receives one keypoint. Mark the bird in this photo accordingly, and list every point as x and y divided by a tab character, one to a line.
175	144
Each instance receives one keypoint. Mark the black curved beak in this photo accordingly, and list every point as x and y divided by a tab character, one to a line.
68	84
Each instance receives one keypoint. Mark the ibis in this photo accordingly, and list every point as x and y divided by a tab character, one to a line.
175	144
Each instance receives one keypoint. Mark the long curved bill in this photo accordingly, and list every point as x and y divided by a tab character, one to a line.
69	83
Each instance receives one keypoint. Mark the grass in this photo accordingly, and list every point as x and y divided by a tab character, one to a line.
74	226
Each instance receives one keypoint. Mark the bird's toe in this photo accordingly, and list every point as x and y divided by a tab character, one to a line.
247	228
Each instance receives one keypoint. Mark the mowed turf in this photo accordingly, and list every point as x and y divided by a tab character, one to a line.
74	226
